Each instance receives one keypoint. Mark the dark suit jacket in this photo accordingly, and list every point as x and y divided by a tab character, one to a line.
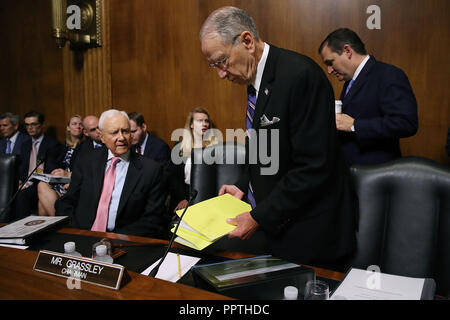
50	150
21	138
385	109
141	204
305	209
158	150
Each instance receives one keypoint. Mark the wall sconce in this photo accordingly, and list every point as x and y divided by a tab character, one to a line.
77	21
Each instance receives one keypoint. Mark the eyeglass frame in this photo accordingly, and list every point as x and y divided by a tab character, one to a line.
222	64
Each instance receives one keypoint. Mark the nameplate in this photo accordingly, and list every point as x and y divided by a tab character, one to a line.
83	269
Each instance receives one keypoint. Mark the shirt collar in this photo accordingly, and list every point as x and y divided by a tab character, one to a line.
144	143
260	68
38	140
124	157
360	67
14	137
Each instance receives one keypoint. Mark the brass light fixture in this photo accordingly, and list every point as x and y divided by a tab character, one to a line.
77	21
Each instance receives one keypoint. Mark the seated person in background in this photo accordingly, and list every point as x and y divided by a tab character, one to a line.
48	193
39	147
197	123
92	134
113	189
148	145
12	138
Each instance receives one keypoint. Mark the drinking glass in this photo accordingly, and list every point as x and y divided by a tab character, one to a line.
317	290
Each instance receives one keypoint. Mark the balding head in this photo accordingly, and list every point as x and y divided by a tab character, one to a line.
90	125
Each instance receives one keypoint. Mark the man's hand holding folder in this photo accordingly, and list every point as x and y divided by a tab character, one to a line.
244	222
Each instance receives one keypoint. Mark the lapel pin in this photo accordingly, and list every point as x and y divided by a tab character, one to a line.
266	91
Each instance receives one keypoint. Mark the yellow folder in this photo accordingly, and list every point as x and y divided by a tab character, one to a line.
205	222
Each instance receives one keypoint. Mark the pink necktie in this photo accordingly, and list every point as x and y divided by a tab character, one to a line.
33	156
101	221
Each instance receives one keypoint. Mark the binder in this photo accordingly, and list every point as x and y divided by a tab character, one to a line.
256	278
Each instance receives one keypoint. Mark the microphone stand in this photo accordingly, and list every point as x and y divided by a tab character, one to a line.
39	162
156	268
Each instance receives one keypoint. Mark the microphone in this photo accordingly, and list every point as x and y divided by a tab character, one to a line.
156	268
39	161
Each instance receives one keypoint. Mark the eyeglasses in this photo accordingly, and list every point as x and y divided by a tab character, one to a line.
33	124
223	63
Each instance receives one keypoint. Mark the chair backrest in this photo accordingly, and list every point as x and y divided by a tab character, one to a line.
215	166
404	219
8	183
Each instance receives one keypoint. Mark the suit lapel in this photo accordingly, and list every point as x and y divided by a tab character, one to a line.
99	172
265	89
133	176
360	80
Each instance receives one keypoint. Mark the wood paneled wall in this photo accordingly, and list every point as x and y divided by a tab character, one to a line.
151	61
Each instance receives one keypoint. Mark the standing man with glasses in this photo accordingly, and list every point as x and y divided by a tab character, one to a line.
12	137
39	147
304	210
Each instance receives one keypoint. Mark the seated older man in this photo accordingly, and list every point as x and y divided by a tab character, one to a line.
113	189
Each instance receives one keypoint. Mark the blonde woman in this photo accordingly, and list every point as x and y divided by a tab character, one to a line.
195	135
47	193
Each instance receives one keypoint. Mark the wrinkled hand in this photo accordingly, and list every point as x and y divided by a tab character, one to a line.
245	226
231	189
344	122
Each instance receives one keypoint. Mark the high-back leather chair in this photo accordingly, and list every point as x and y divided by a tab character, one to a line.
404	219
8	183
214	166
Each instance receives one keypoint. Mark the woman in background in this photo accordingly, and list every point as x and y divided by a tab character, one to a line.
49	193
198	122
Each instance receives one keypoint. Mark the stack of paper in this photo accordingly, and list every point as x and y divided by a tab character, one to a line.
205	222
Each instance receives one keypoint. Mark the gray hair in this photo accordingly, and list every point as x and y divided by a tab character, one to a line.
14	118
108	114
228	23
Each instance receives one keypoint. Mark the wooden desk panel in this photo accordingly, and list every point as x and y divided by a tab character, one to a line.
18	280
324	273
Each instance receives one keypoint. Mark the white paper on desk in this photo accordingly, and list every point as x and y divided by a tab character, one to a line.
13	246
364	285
169	268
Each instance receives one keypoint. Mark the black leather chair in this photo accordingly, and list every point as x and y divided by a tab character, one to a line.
215	166
8	183
404	219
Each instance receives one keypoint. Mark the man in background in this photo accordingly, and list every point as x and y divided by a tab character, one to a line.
92	133
378	104
148	145
12	140
41	152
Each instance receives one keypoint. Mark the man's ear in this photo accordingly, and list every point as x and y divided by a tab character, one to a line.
347	50
247	40
144	127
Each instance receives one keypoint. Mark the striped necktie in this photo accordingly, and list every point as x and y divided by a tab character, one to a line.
251	103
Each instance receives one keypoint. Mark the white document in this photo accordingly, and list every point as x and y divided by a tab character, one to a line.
367	285
169	268
28	226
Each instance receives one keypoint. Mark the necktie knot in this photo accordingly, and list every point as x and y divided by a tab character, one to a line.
349	86
114	161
